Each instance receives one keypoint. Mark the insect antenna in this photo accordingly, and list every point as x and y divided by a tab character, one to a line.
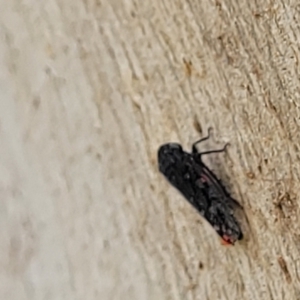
214	151
194	149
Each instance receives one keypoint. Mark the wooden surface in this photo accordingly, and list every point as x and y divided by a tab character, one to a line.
89	90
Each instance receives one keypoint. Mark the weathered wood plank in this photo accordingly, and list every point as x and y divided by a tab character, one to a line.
89	90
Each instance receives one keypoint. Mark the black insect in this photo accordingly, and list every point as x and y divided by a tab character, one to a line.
199	185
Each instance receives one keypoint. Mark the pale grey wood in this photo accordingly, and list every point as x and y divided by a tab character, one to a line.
89	90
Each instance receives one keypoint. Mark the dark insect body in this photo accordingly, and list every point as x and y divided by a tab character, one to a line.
199	185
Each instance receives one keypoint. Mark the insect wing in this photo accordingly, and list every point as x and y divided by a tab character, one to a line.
219	212
182	175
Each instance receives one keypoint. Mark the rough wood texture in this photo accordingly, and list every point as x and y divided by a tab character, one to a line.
89	90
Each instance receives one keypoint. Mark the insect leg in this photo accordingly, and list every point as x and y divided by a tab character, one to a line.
194	149
213	151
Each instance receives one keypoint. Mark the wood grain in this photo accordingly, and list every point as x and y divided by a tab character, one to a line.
89	90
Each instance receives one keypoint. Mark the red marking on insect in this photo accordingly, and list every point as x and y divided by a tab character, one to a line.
204	178
226	240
